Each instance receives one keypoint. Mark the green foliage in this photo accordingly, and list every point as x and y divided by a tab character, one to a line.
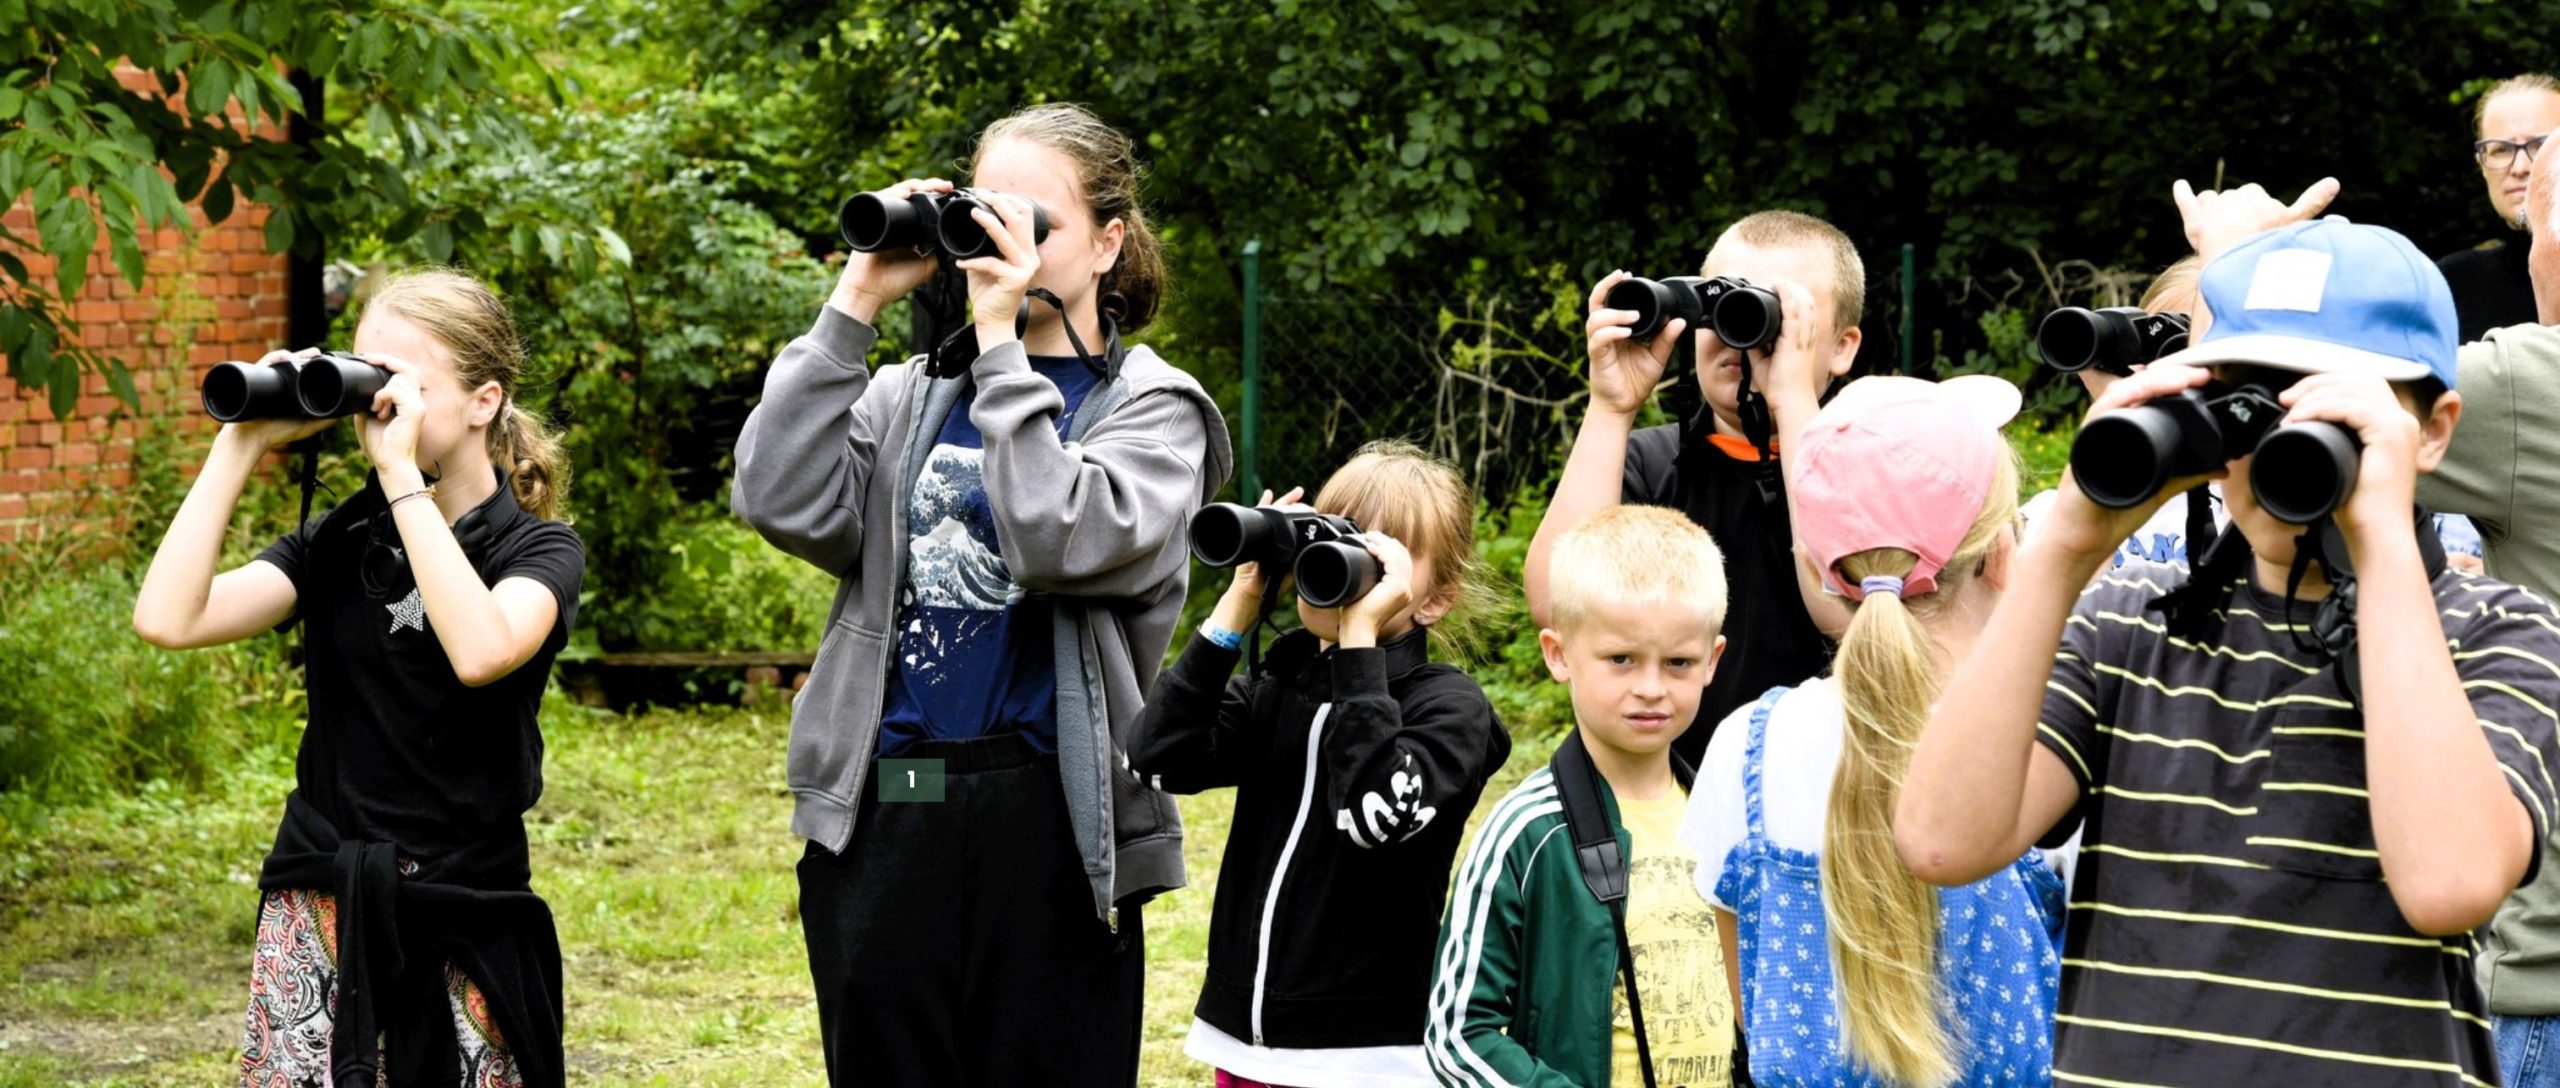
724	589
1515	678
2043	453
85	706
409	77
1395	143
651	328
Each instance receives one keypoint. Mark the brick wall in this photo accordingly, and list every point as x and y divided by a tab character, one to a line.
206	297
215	296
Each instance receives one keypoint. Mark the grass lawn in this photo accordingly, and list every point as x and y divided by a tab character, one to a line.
662	843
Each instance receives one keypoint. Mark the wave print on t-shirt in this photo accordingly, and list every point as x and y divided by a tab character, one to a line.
957	569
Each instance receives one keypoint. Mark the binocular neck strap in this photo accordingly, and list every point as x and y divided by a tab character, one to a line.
1760	431
1261	621
308	475
2211	566
946	360
1109	367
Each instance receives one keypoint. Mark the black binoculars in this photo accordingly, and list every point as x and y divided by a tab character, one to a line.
2300	472
872	222
1743	316
2114	340
325	386
1333	568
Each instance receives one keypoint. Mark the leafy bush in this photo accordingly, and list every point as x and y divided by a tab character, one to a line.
724	589
1515	675
650	355
85	706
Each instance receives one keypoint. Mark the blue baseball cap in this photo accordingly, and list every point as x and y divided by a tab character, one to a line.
2328	297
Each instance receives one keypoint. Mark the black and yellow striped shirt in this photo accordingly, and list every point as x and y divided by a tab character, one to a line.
2229	923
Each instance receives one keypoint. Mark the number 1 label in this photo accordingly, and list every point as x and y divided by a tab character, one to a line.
910	780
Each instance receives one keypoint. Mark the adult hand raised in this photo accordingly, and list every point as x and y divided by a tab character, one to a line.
2217	220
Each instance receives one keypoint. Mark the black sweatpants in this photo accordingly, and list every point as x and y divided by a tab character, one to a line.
954	943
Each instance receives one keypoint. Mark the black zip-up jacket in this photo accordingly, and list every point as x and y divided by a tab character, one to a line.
1354	772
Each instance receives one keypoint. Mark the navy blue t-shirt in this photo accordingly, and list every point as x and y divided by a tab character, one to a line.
974	657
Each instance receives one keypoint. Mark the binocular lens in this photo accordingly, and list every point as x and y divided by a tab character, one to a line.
2123	458
865	222
872	223
1651	300
1221	533
1336	573
2115	339
238	391
1747	318
964	238
334	385
2068	338
2301	473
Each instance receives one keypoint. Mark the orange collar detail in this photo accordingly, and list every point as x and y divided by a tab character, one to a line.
1740	449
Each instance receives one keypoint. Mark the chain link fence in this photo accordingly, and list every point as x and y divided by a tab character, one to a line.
1496	383
1488	383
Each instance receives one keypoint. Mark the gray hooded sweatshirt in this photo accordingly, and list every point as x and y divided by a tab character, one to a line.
1095	519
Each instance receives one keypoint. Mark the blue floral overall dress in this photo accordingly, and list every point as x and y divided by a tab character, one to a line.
1997	954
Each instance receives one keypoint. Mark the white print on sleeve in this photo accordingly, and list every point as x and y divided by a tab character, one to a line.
1389	820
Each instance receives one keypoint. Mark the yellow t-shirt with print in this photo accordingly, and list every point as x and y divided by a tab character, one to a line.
1688	1005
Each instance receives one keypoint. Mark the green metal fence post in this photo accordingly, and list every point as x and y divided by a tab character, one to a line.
1907	323
1251	456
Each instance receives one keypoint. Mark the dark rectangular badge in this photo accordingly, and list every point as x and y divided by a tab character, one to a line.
910	780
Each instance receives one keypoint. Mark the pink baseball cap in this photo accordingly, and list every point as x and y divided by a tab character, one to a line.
1898	463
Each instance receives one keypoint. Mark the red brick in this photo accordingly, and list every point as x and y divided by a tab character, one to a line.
30	457
76	453
12	507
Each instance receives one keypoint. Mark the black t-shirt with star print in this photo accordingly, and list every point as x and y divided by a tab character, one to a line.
398	749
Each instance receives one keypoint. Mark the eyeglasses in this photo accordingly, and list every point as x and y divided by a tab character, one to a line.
2500	154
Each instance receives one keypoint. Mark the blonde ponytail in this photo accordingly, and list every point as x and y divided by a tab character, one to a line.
1884	921
536	465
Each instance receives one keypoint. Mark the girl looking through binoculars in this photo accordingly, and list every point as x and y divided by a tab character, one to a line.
1005	512
396	925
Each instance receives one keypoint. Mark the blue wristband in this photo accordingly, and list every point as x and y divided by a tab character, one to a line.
1221	637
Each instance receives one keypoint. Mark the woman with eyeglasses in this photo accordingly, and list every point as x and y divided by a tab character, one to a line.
398	939
2491	287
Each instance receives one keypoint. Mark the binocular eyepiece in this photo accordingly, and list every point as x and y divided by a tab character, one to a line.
2300	473
1743	316
872	222
325	386
2114	340
1333	568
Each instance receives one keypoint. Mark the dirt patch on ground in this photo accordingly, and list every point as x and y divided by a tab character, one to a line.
101	1048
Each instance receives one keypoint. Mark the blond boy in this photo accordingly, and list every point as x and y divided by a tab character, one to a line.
1530	985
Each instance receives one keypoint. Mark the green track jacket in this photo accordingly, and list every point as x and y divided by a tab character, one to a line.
1527	964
